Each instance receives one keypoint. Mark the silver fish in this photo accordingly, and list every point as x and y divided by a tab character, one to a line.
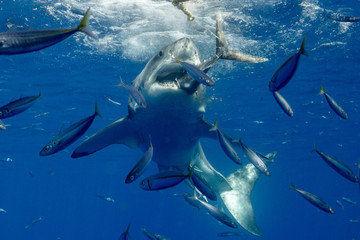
33	222
136	94
218	214
29	41
285	106
69	135
349	200
196	73
230	234
337	165
2	210
2	125
140	165
340	204
315	200
255	159
153	236
226	145
334	105
287	70
109	199
163	180
203	186
18	106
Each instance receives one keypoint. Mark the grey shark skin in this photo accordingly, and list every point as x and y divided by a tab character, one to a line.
174	120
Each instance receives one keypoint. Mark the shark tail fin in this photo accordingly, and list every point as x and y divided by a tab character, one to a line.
84	25
223	51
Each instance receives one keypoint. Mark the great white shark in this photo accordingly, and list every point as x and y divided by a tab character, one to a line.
174	118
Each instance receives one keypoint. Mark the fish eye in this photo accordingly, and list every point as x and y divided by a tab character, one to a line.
160	53
53	142
132	178
47	148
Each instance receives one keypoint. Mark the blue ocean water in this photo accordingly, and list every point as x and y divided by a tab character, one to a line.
79	71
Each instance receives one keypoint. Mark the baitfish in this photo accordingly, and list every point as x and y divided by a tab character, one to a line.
2	210
203	186
191	200
287	70
226	146
255	159
285	106
196	73
230	234
136	94
125	235
29	41
18	106
218	214
2	125
163	180
109	199
140	165
315	200
6	160
334	105
69	135
349	200
342	18
337	165
153	236
340	204
33	222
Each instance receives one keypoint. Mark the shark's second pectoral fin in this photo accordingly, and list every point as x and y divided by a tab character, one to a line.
238	202
121	131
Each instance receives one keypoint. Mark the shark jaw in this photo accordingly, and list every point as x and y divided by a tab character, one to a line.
174	120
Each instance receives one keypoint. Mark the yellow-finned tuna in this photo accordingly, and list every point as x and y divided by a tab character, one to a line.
18	42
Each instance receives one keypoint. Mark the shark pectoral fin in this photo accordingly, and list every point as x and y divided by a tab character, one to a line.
223	51
238	202
121	131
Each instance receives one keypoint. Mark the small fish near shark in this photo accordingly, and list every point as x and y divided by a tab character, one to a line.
19	42
174	118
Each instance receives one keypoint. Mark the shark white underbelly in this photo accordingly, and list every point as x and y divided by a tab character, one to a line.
174	120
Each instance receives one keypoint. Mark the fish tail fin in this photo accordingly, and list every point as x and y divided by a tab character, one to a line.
177	59
121	82
215	126
223	51
237	140
302	48
97	111
314	149
322	91
84	25
292	186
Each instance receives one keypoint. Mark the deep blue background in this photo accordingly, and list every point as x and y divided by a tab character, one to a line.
78	72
